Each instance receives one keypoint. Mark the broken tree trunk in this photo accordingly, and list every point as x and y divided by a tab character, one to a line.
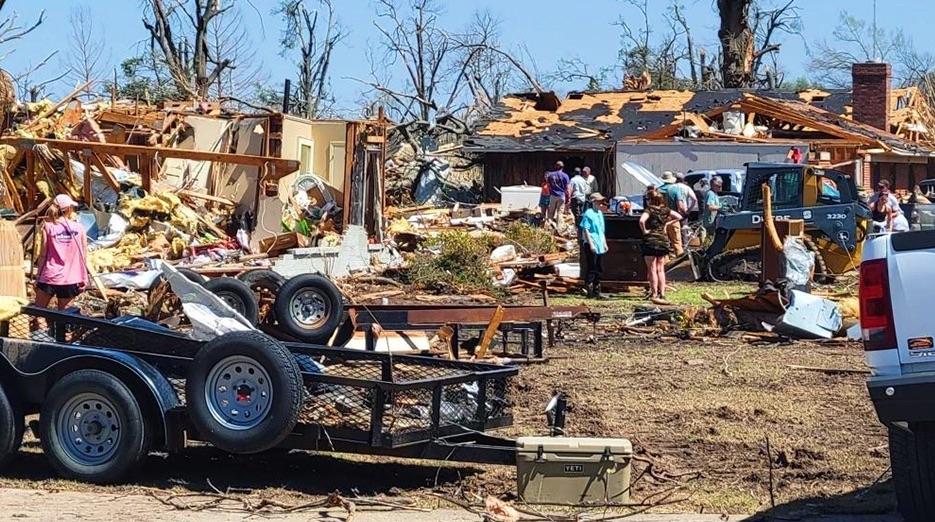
737	43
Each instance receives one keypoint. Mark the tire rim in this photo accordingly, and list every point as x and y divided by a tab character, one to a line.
233	301
310	308
238	392
89	429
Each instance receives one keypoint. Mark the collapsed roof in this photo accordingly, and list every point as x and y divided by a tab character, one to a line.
589	121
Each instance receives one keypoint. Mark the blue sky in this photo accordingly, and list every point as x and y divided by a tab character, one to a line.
549	29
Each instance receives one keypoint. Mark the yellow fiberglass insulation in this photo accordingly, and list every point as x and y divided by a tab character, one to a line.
118	256
142	210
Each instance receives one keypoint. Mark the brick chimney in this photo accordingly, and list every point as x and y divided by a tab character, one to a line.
871	93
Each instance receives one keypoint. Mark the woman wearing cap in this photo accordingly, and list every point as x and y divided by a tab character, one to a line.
594	242
63	251
656	247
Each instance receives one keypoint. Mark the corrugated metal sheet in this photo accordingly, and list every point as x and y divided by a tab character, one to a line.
685	156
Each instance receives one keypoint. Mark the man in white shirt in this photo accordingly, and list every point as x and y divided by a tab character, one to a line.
582	186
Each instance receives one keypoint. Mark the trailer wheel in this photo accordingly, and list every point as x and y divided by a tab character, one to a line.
265	285
237	295
93	429
193	276
309	307
244	392
11	428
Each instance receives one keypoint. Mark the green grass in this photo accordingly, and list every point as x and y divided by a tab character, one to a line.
682	293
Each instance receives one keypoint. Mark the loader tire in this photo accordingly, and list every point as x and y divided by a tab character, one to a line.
309	307
822	275
244	392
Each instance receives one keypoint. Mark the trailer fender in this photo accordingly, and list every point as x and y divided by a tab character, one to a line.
36	366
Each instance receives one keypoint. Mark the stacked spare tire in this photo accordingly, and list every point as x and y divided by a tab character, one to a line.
307	308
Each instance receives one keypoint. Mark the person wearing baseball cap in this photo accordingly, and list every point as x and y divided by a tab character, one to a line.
62	255
594	242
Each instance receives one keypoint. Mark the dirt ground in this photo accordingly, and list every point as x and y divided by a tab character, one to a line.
699	409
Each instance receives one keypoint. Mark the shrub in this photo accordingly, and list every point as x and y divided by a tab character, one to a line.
453	261
530	240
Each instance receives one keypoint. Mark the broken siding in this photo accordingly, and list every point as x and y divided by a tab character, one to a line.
683	157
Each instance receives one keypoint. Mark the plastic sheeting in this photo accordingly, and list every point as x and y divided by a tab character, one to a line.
209	314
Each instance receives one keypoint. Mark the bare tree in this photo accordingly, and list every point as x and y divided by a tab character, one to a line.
315	44
180	37
85	59
573	70
438	66
769	25
228	37
854	40
26	87
650	54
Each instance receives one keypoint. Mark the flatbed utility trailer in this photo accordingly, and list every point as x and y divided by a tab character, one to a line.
108	393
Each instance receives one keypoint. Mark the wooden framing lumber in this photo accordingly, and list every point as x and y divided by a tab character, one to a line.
282	167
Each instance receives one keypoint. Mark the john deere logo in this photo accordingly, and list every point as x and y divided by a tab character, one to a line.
574	468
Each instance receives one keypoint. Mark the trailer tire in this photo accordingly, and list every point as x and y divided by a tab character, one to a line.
309	307
113	434
265	285
193	276
912	458
237	295
262	276
12	427
244	392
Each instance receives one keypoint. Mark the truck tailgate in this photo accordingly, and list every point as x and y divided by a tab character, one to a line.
911	267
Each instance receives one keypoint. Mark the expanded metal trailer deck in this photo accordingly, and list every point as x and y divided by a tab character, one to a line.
349	400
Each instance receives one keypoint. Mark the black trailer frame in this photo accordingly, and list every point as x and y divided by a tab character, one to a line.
355	401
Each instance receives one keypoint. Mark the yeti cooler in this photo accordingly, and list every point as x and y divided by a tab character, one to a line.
564	470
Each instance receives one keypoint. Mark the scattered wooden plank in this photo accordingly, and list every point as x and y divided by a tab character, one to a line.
489	332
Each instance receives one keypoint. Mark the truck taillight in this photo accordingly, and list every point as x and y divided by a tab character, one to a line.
876	312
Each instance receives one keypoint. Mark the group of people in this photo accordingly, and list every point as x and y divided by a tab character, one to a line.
578	195
665	223
561	193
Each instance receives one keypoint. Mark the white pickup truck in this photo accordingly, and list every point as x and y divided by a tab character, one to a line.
897	320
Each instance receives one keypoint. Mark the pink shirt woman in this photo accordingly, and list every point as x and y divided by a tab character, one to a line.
62	257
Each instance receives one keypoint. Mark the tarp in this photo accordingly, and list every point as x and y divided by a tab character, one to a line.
633	178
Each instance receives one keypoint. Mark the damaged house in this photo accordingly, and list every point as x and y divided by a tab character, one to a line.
268	167
873	131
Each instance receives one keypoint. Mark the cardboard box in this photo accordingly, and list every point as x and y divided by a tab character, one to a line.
279	244
563	470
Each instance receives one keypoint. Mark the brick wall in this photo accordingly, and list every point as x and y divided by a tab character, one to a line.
871	93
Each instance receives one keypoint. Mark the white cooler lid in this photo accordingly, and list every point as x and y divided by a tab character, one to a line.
588	445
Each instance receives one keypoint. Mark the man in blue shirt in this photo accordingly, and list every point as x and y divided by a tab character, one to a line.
594	243
712	205
677	200
558	192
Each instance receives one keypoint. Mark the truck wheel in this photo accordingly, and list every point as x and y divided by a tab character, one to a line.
93	429
237	295
309	307
912	457
244	392
11	428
